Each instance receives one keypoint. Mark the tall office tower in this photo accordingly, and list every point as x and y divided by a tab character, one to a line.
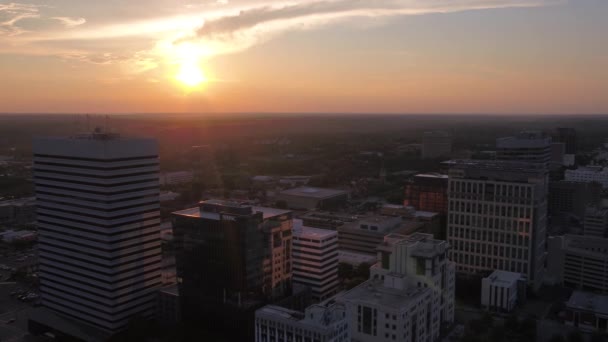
428	192
231	258
497	217
423	260
568	137
436	144
527	146
596	222
98	222
315	260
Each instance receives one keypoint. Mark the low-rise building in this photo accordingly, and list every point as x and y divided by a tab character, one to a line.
579	262
18	211
596	222
177	177
587	312
326	219
321	323
355	259
501	291
315	259
365	234
309	198
588	174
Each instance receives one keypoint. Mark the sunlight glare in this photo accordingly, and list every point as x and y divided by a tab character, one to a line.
187	58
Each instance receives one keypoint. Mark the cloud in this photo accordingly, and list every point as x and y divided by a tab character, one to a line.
70	22
12	13
239	31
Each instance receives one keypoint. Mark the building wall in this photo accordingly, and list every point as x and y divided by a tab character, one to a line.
315	263
497	225
98	222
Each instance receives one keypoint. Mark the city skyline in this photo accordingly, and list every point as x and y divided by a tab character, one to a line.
388	56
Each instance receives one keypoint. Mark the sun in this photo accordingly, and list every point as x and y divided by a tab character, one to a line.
190	74
187	58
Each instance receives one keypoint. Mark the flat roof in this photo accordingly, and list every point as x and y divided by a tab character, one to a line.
313	192
355	258
171	289
300	230
432	175
504	277
18	201
374	292
197	213
588	301
278	311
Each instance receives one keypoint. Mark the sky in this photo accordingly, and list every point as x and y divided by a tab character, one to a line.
338	56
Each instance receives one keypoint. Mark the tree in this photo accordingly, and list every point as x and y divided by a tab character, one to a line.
575	336
345	270
363	270
528	328
557	338
512	323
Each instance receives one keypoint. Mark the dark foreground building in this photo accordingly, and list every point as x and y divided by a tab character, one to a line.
231	259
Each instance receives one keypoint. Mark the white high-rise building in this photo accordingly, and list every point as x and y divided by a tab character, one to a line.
315	259
497	212
98	221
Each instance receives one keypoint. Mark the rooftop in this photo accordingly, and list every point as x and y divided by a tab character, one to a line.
589	302
282	312
300	230
171	290
373	292
499	277
431	175
313	192
355	258
19	201
223	206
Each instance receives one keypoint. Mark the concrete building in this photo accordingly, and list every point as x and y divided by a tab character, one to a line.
587	312
231	258
501	290
428	192
436	144
497	217
572	198
315	260
364	235
579	262
527	146
355	259
98	223
326	219
309	198
168	312
176	177
18	211
325	322
588	174
596	222
423	261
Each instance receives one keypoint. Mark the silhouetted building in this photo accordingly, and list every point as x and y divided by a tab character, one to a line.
309	198
231	259
326	220
527	146
497	217
568	137
428	192
98	223
436	144
566	197
587	312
